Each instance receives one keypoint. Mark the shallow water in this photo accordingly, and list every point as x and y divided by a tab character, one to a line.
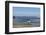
33	22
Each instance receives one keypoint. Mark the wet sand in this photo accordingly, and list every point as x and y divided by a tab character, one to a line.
23	25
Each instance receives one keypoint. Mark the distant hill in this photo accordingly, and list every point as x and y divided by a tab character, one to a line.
29	17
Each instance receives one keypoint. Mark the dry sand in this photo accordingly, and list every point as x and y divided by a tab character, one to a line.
21	26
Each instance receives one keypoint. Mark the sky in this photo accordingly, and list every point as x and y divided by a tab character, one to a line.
26	11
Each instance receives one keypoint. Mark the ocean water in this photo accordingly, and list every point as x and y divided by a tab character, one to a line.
34	21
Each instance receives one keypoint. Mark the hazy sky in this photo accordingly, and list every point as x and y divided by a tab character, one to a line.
26	11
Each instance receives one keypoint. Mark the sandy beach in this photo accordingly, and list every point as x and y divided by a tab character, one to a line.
21	26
